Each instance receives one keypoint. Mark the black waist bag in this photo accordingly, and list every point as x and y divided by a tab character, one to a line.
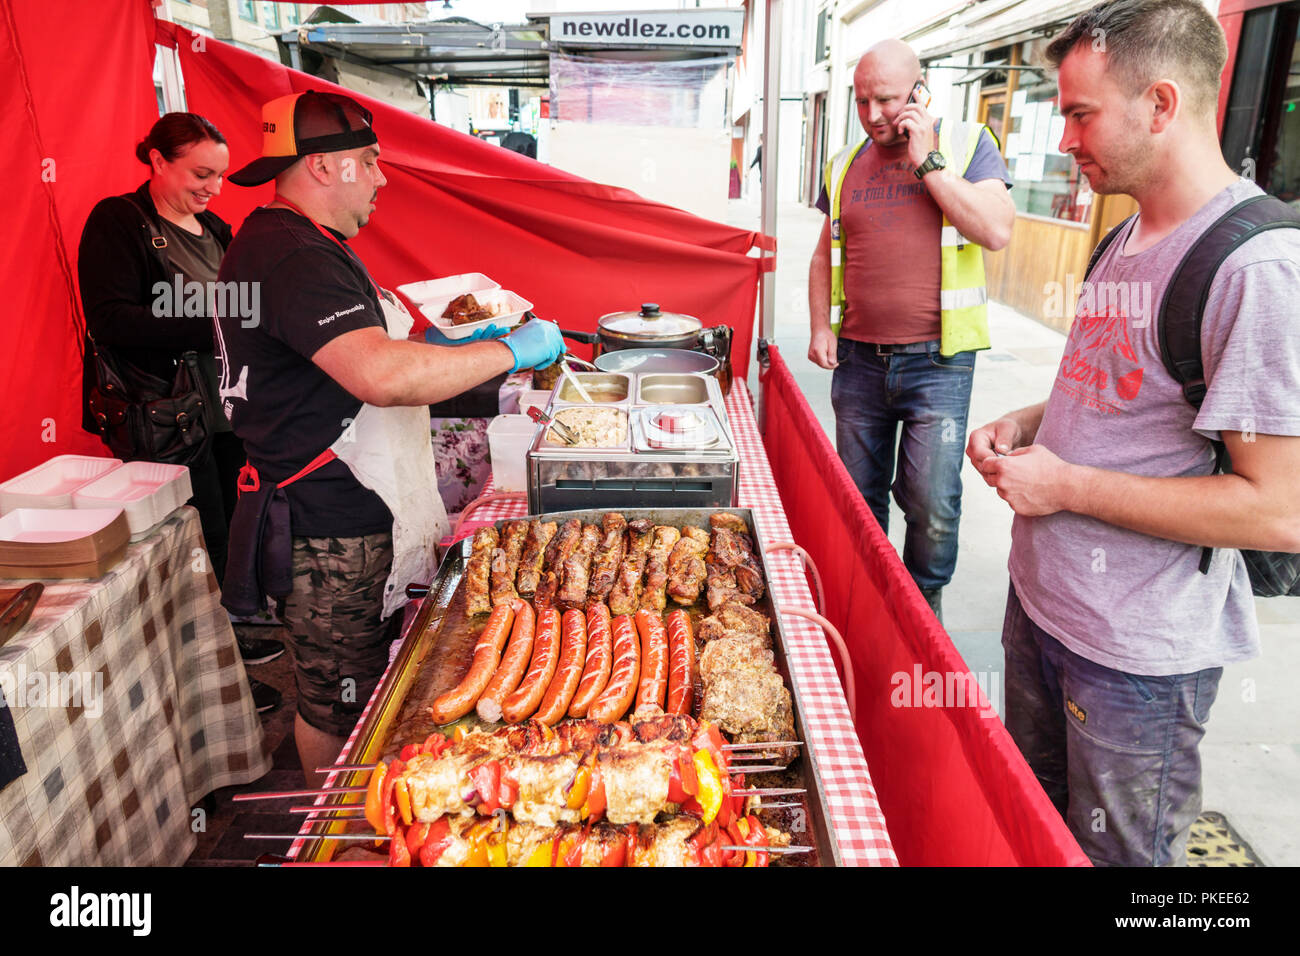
259	562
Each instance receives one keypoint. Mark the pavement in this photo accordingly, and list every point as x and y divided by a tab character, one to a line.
1251	751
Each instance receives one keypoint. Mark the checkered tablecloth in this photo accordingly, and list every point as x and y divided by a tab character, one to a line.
858	826
157	715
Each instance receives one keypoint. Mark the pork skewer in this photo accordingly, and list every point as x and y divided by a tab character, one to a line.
505	562
536	542
626	594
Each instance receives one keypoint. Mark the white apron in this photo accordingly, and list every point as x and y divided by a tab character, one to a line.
390	451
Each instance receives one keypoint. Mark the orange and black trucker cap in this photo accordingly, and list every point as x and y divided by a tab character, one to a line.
300	124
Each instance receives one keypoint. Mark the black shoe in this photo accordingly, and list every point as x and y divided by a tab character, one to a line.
258	650
934	598
265	697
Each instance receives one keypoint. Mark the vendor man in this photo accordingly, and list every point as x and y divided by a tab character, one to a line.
900	264
325	364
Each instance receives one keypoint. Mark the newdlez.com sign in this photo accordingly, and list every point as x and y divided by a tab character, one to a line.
651	27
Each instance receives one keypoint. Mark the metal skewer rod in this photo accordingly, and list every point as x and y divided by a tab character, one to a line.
314	836
769	792
769	745
769	849
288	794
774	806
756	768
349	810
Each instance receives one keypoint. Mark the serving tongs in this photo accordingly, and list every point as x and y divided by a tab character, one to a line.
561	429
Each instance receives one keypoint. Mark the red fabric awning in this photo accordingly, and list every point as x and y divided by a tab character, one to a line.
954	788
83	98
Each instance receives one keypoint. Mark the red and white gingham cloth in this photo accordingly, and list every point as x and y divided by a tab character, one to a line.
856	822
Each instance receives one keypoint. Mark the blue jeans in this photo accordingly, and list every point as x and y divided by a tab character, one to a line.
929	395
1116	753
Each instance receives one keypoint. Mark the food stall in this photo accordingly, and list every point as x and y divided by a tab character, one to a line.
453	205
815	795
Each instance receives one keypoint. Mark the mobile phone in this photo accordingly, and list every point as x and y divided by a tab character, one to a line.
921	96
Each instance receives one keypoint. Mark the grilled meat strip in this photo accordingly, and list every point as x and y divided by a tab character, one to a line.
478	569
733	573
686	570
627	589
557	552
609	556
577	567
539	536
656	568
505	562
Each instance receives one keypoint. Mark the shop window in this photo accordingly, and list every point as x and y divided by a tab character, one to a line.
247	11
1047	182
291	17
271	16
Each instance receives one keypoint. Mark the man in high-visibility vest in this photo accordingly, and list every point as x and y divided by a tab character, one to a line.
897	300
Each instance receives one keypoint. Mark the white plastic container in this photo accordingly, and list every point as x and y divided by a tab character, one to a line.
52	483
510	308
439	292
537	398
508	439
146	490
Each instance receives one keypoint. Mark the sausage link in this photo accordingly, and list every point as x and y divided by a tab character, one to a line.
569	671
600	653
654	662
546	644
619	693
458	701
681	673
513	663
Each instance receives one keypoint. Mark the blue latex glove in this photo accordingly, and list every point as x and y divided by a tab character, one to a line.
535	344
434	337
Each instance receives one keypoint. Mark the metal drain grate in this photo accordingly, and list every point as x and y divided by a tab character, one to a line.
1213	842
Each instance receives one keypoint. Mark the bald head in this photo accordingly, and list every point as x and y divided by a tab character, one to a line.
882	83
892	58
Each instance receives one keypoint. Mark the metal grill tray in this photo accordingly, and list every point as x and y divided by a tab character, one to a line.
437	653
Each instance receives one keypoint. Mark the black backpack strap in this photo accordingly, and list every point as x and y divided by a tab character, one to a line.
1106	240
1183	305
1182	308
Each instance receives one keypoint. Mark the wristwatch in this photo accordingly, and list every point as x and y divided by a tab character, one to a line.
932	162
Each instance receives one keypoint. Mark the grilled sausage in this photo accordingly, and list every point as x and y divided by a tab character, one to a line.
521	704
619	693
681	673
458	701
478	570
569	671
654	662
513	663
600	652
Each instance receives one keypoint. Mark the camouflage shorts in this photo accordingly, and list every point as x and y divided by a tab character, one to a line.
339	644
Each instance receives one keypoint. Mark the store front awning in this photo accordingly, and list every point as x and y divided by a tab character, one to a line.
988	24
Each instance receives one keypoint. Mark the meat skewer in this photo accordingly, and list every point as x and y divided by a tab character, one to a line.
505	562
573	589
477	571
557	553
604	567
536	541
654	597
686	569
626	594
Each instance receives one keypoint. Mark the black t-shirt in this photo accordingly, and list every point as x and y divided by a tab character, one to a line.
307	290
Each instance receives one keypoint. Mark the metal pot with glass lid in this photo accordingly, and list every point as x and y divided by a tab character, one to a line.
653	328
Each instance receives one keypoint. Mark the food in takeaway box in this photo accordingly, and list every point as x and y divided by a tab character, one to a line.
465	309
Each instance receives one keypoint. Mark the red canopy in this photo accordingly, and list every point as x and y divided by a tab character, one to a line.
83	98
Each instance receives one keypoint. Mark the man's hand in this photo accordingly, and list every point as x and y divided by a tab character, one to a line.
916	122
1032	480
822	351
991	440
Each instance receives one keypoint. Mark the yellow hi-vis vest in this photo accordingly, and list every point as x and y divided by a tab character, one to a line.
963	299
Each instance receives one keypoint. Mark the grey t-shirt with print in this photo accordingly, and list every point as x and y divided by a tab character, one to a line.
1127	600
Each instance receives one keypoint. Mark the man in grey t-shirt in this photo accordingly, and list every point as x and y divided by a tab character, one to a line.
1114	640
